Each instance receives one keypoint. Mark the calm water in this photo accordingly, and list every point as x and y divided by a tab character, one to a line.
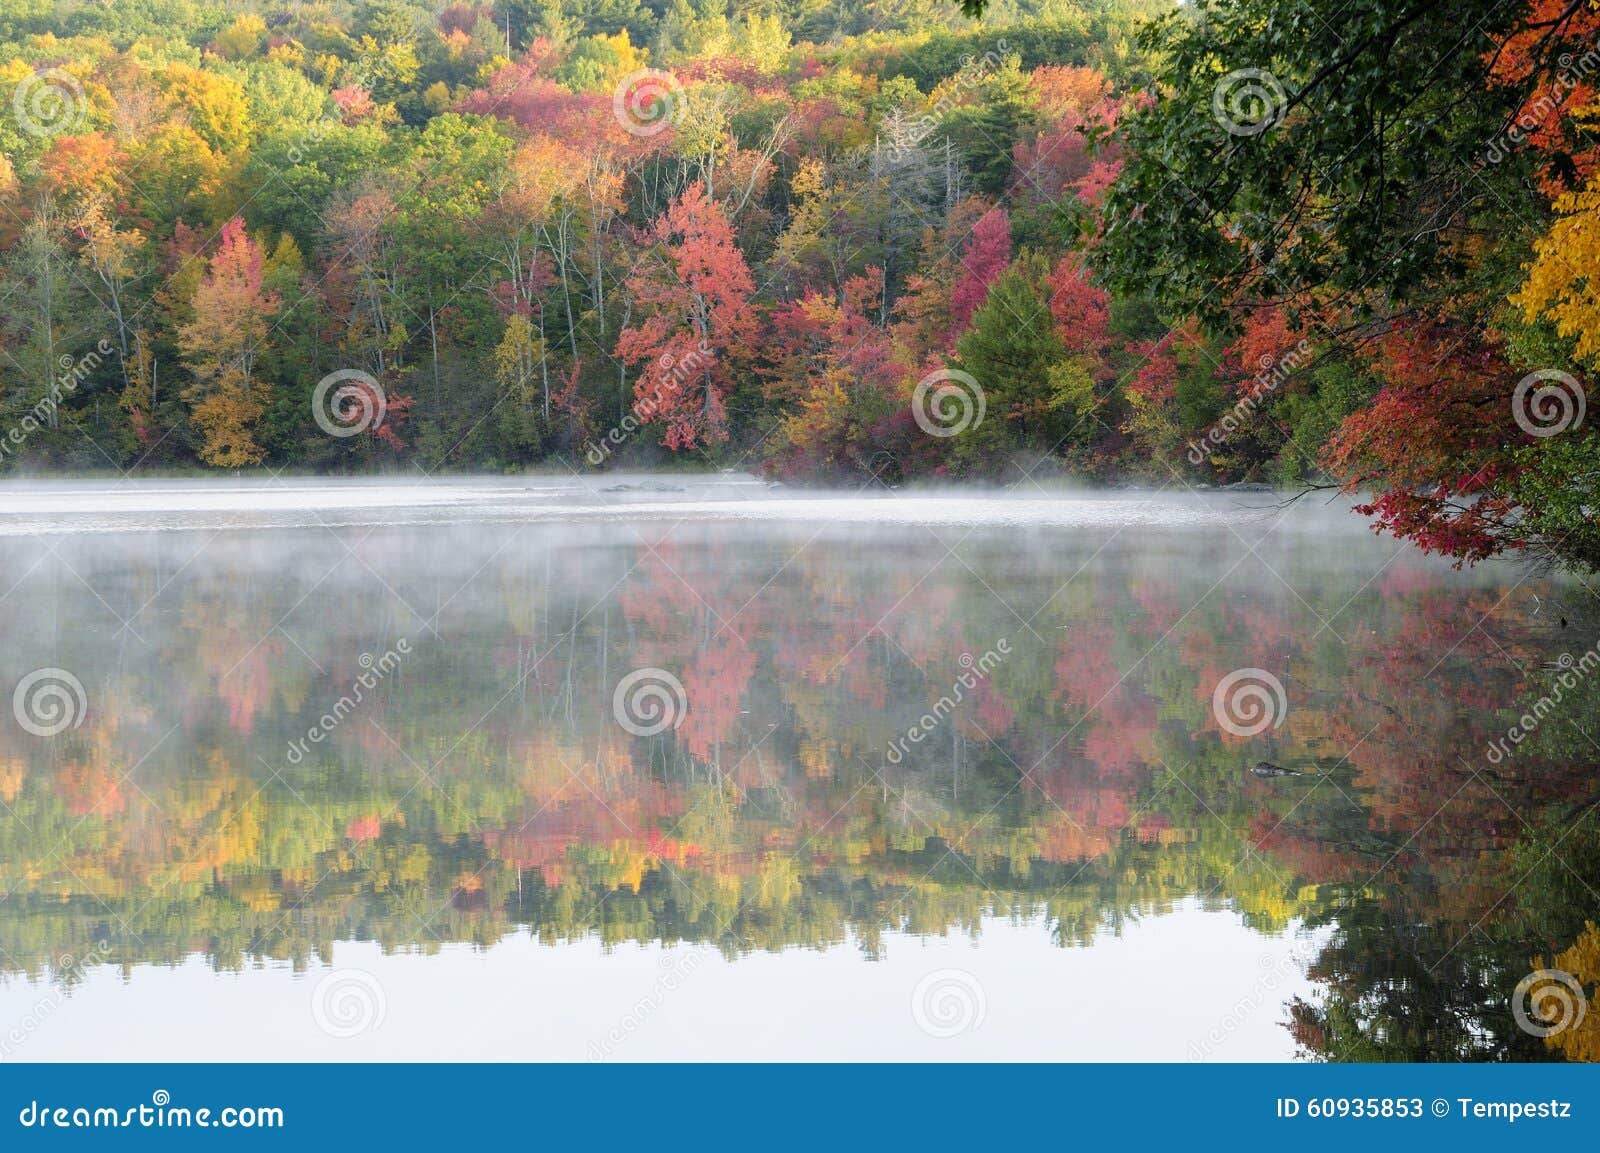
662	768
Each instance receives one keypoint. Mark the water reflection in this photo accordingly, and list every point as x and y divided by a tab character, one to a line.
410	735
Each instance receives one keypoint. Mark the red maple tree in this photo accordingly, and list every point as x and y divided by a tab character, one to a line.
694	289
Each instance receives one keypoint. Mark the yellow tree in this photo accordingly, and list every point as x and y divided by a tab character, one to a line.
220	344
215	105
241	39
1575	1029
1559	287
540	187
517	360
113	254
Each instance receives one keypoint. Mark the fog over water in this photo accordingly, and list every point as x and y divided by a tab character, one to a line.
145	505
922	773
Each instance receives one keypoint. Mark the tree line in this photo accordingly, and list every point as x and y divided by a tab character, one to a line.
868	244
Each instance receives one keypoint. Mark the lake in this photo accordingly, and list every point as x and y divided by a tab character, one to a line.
634	768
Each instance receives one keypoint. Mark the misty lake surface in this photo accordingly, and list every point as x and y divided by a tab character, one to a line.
667	767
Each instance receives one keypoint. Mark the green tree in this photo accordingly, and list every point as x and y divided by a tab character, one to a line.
1294	150
987	129
1035	394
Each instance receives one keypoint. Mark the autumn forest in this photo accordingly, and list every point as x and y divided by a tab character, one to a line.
872	244
960	515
